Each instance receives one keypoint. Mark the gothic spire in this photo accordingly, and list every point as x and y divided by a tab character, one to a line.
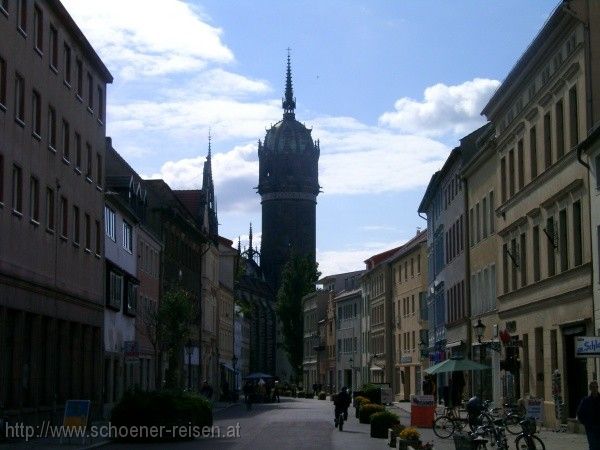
289	102
250	238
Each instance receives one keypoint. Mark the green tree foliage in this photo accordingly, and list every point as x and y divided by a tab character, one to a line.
175	317
298	278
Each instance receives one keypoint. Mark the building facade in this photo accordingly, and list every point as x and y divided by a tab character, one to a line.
227	264
409	310
348	305
314	308
376	289
52	122
541	113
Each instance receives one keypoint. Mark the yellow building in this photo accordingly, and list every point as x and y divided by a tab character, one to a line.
409	311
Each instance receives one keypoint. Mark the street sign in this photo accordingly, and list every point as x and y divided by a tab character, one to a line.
535	408
76	413
587	346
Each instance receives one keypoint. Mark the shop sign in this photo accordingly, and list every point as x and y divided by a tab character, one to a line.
422	400
535	407
405	359
587	346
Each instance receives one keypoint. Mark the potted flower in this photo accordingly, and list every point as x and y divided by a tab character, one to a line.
393	433
409	436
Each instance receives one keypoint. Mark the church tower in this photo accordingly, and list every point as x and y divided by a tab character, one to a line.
288	185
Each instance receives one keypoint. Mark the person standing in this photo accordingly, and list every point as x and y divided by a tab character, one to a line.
588	414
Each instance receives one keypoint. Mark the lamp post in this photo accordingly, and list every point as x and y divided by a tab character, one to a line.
351	362
189	350
234	362
479	329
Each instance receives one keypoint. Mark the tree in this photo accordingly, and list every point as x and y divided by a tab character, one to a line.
175	318
298	278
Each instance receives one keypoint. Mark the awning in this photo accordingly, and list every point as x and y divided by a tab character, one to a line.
375	368
455	344
228	367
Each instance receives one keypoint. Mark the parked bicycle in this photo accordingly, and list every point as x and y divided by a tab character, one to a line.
527	440
452	422
512	414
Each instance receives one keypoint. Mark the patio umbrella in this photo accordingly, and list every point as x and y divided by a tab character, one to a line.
455	365
258	376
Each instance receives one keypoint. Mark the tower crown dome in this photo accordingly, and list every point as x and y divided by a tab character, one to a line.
288	135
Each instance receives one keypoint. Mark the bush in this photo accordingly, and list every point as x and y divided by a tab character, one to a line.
373	393
322	395
410	434
366	411
381	421
161	408
359	402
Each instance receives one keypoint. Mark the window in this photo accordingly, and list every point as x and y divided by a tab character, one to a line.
78	152
88	232
76	225
66	135
492	217
36	114
1	179
560	130
577	244
64	214
536	253
523	254
79	65
132	292
412	267
34	199
38	28
511	172
550	246
503	179
484	217
533	152
2	82
505	267
418	264
471	228
22	16
52	128
127	237
53	47
564	255
49	209
17	189
98	238
547	141
478	222
100	104
115	291
462	234
99	169
90	81
19	98
88	170
513	264
67	63
573	117
520	164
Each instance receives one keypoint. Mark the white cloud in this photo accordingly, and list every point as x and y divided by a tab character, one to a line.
347	260
149	37
444	109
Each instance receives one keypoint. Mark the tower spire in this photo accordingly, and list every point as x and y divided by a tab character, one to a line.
209	139
289	101
250	237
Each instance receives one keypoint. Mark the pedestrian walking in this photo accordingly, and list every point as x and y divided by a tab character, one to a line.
248	392
588	414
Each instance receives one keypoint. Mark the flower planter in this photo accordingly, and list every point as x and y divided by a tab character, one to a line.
403	444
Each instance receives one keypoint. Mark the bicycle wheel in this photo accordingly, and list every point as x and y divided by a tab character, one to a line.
513	424
529	443
341	421
443	427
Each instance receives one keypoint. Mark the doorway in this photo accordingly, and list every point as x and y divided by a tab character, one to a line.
576	381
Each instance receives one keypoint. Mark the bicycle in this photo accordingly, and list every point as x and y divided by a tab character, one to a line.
340	419
446	425
513	415
527	437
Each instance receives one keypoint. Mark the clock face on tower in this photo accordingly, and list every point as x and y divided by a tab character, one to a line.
288	185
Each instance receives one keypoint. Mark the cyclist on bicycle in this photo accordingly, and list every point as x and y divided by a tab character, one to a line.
342	402
474	409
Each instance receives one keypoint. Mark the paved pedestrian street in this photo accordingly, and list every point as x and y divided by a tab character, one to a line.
308	424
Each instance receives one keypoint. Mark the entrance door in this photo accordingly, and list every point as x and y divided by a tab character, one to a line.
576	381
407	383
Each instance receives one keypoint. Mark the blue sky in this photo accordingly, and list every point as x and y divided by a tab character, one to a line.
388	86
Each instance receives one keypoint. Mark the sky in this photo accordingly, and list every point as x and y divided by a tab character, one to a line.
389	87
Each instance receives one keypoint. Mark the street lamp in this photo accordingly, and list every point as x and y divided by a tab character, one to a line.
189	350
479	328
